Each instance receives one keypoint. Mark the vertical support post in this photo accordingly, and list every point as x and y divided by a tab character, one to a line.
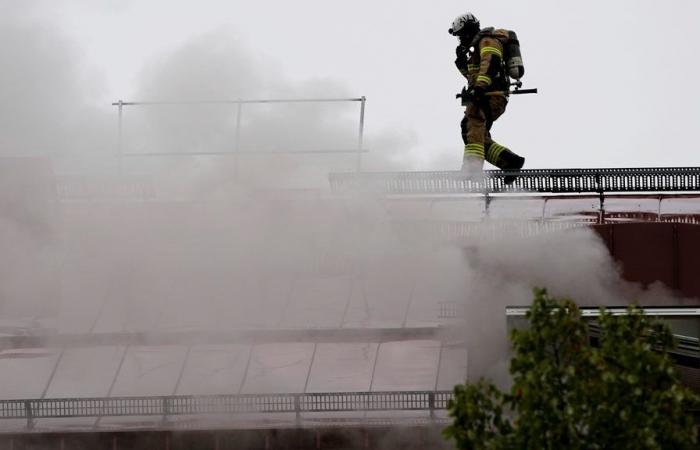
120	143
120	106
28	412
431	404
361	135
166	409
601	212
487	204
297	408
544	210
237	139
676	262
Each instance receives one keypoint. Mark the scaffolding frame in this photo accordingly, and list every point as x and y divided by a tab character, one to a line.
359	150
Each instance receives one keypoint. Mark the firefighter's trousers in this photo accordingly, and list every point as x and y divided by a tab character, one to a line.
476	128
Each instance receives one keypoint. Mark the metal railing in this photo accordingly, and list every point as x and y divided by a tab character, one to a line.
658	179
687	350
236	150
164	406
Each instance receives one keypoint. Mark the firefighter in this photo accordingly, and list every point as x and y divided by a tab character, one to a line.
480	58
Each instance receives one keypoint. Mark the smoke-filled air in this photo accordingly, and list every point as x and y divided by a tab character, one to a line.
199	215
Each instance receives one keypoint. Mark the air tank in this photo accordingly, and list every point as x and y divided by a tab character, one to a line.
514	61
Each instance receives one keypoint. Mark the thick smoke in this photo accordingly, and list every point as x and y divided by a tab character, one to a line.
222	243
46	92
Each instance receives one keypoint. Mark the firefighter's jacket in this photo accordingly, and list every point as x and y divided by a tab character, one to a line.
484	65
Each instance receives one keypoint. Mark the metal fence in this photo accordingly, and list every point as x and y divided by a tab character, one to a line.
53	408
659	179
235	145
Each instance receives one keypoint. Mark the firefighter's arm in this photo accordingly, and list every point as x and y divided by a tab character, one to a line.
462	58
491	53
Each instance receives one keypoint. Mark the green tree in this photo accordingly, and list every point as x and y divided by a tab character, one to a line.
623	393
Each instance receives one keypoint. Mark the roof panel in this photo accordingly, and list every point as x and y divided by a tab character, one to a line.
278	368
149	370
85	372
406	366
25	372
453	367
342	367
214	369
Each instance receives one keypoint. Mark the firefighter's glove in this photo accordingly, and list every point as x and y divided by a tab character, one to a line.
462	58
476	94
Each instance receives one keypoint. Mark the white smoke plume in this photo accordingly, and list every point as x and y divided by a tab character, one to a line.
225	244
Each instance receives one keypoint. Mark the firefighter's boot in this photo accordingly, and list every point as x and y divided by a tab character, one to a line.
508	160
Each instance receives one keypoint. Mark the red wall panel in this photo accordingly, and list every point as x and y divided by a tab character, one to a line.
645	252
649	252
688	259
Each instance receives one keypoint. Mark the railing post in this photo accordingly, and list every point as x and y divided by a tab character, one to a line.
166	409
120	134
297	408
120	109
361	136
431	404
28	412
487	205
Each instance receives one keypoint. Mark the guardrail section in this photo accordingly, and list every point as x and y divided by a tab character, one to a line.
31	409
654	179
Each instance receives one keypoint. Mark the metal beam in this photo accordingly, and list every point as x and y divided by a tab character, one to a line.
238	101
654	179
329	335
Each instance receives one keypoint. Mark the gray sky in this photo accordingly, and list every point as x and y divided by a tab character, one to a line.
615	78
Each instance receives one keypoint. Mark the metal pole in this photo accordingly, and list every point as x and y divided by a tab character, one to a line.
544	210
237	140
120	105
361	135
28	413
297	408
487	205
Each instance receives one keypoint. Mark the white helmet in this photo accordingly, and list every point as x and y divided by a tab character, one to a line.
466	22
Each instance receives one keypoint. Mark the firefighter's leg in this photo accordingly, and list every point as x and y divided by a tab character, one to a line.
474	132
495	153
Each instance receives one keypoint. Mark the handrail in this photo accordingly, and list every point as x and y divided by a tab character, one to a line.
652	179
52	408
